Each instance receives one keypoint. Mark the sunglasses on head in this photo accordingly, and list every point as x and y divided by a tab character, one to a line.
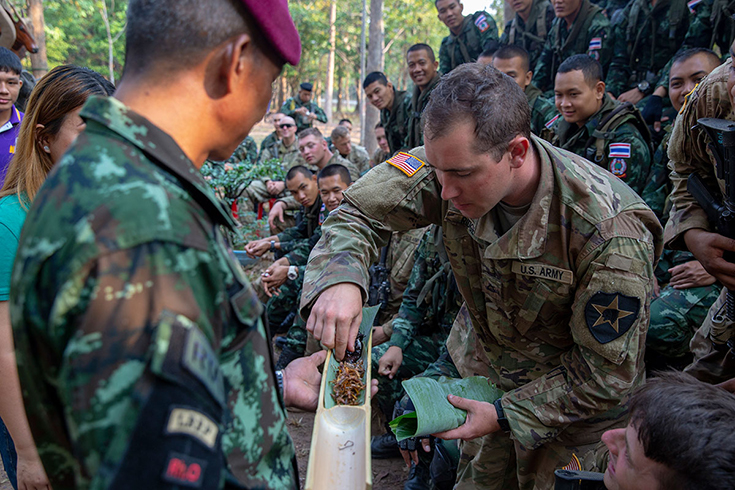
284	126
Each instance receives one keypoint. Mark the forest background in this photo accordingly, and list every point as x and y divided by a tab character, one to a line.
91	33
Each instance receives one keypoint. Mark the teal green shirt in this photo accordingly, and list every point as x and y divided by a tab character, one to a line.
12	216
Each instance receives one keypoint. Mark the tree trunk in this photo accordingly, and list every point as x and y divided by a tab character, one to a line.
374	63
330	60
110	58
340	93
39	61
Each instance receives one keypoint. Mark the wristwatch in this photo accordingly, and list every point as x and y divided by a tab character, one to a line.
279	380
293	272
502	421
273	245
644	87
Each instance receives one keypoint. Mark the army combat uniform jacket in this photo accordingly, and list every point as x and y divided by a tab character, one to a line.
589	34
560	302
644	40
419	101
395	121
531	34
621	149
476	30
292	103
142	354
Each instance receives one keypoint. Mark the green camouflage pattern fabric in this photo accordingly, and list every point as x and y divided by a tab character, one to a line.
610	7
419	101
712	25
560	45
644	40
268	141
658	186
430	304
530	34
543	113
127	306
246	152
688	154
395	121
529	293
292	103
289	155
633	170
359	158
475	32
379	156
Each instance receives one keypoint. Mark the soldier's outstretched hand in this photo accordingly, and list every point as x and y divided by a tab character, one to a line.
710	248
482	419
336	316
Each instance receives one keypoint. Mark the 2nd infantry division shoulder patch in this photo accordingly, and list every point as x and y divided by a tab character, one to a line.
406	163
610	315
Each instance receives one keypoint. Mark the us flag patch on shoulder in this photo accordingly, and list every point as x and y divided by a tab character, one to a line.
406	163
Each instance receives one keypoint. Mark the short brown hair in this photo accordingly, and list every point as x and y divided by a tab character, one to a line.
310	132
494	101
340	132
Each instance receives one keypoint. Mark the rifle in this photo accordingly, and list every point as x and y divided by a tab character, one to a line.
578	480
379	282
720	212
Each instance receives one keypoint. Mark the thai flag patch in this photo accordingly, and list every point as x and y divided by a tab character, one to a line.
595	43
406	163
549	124
692	3
619	150
481	23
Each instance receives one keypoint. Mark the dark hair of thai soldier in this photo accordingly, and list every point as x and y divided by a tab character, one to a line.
335	169
510	51
423	47
310	132
344	120
379	125
59	92
483	95
590	68
171	35
692	52
298	169
376	76
340	132
489	51
9	62
686	425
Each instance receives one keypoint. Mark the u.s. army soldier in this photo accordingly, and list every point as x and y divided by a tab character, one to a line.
552	254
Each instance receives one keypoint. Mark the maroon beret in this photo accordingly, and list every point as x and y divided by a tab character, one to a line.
274	20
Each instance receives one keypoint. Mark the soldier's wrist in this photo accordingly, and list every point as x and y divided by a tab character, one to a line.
502	421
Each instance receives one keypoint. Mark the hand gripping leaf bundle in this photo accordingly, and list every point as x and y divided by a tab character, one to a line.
433	412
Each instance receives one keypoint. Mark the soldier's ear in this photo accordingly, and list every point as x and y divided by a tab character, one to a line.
518	149
600	90
42	139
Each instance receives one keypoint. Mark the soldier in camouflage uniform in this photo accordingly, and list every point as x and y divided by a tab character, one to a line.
530	27
273	137
468	35
142	355
355	154
302	109
513	61
422	68
382	152
580	27
553	258
688	226
596	127
644	40
394	106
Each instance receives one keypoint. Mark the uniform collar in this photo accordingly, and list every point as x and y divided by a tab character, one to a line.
466	24
527	239
532	93
159	147
571	133
418	95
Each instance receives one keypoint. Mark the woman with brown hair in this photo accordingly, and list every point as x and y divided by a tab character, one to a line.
50	125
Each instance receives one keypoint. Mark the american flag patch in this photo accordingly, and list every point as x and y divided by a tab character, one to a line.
595	43
692	3
619	150
406	163
574	464
551	123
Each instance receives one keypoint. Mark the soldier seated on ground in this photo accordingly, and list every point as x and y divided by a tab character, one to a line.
468	35
596	127
382	152
356	154
514	62
275	119
677	438
315	155
284	278
394	106
529	27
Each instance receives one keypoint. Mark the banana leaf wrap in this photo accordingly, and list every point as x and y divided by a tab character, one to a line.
433	412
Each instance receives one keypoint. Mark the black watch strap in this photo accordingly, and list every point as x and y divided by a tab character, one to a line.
502	421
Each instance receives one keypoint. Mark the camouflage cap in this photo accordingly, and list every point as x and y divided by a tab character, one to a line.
274	19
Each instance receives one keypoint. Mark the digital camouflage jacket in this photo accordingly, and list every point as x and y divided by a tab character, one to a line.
476	30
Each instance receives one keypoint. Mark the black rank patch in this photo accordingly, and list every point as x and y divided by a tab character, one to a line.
184	470
610	315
